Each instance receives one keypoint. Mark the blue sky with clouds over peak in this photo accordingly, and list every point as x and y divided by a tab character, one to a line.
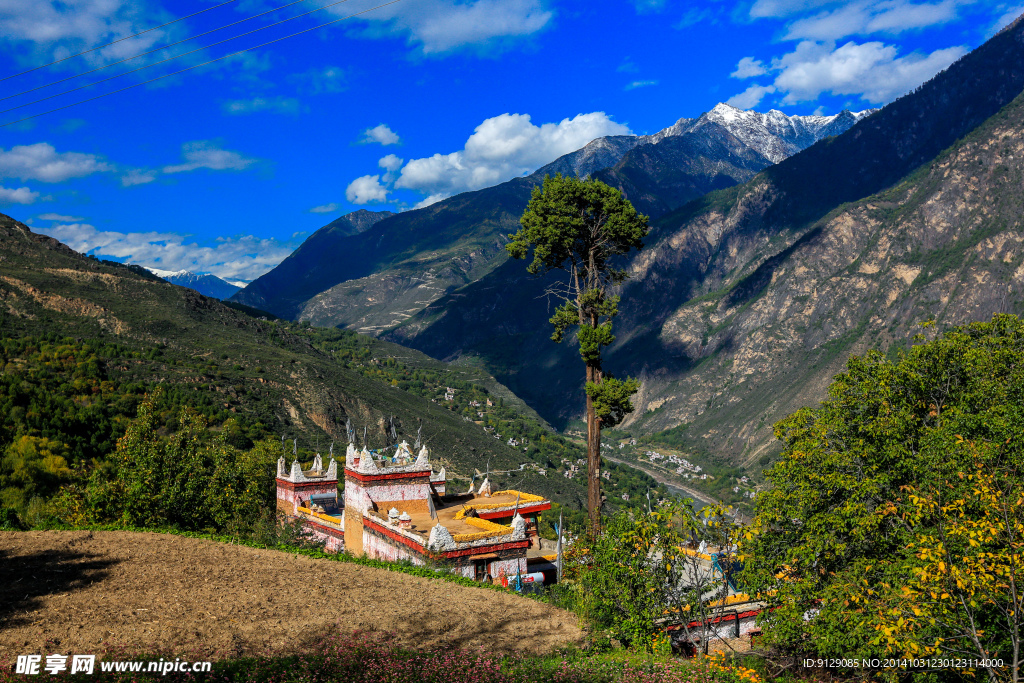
226	167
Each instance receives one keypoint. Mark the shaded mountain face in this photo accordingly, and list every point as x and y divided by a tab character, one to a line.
355	222
597	154
703	320
658	177
387	271
310	268
205	284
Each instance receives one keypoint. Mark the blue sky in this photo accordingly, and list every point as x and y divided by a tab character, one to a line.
227	167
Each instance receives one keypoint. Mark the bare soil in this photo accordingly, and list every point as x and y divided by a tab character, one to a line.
94	592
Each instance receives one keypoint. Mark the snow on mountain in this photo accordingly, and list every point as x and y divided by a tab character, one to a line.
204	283
774	134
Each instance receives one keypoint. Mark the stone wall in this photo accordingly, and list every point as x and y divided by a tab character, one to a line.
334	540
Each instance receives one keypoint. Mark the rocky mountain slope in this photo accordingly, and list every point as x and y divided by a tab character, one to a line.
767	334
205	284
747	300
393	266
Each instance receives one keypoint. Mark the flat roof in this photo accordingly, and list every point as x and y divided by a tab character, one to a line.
421	522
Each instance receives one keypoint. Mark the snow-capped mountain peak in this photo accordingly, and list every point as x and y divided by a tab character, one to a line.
204	283
774	134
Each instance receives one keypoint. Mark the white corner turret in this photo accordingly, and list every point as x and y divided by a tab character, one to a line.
282	467
485	488
440	539
366	463
518	527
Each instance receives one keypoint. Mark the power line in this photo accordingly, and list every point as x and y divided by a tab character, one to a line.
196	66
158	49
169	59
98	47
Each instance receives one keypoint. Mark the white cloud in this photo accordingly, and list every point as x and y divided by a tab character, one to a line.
439	26
138	176
751	97
627	66
640	84
325	208
245	257
866	17
57	217
381	134
327	79
649	6
431	199
748	67
280	105
391	163
695	15
60	29
784	8
501	148
41	161
21	195
1007	18
366	189
205	154
870	70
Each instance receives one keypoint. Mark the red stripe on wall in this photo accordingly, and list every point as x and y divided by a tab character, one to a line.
425	474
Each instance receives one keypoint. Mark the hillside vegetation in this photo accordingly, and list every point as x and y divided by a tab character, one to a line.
83	341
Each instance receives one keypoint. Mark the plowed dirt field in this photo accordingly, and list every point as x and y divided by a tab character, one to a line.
92	592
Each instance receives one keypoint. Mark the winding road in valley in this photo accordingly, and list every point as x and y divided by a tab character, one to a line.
662	479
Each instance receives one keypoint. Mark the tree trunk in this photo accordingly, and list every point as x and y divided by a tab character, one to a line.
593	455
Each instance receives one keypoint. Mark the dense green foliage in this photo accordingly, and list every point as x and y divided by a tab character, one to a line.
641	570
189	480
848	514
64	403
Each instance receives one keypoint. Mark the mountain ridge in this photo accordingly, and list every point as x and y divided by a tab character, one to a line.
377	278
